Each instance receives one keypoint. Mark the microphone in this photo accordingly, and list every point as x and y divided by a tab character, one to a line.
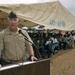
20	31
26	38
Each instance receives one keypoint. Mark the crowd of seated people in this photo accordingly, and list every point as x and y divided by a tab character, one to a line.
50	43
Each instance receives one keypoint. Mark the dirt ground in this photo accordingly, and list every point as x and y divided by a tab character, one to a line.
63	63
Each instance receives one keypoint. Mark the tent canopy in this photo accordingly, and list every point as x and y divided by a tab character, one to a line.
53	15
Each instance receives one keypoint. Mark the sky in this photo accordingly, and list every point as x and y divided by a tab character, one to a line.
69	4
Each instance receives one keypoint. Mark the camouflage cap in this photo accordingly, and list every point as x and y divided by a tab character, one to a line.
12	15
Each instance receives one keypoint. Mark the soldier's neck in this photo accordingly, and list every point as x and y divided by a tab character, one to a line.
13	29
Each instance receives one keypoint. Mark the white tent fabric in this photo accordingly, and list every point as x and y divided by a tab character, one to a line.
53	15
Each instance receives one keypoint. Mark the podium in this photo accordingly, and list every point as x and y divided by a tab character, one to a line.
41	67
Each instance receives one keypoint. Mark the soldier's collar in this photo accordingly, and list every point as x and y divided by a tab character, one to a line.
9	32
